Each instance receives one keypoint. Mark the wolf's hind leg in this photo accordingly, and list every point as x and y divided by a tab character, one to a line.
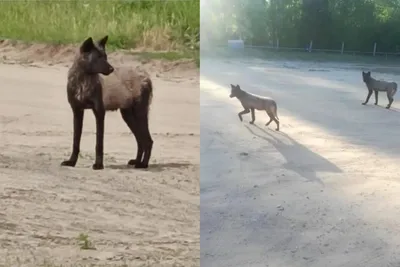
143	126
129	118
389	94
253	116
272	118
242	113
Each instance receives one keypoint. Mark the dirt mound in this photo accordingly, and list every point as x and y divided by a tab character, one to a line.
33	54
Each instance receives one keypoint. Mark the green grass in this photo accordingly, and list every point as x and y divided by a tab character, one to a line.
84	242
170	56
153	25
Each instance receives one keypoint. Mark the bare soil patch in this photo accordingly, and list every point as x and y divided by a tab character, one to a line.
133	217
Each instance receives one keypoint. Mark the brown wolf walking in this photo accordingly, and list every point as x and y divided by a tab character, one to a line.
250	102
379	86
125	88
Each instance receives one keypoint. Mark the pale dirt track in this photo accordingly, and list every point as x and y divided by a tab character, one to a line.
324	191
133	217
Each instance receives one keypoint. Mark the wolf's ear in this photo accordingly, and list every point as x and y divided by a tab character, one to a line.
369	73
237	86
87	45
102	42
232	86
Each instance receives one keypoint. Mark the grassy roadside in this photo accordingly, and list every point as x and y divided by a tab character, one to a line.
166	26
267	54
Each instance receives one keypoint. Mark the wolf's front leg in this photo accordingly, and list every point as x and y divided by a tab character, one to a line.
376	97
253	116
242	113
78	121
368	96
99	115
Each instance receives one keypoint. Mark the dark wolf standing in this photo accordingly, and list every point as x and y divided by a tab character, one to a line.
379	86
250	102
123	88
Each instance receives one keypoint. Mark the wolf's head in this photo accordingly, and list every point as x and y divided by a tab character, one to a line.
366	76
93	57
235	90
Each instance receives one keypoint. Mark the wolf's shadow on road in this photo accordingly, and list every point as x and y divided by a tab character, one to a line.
298	158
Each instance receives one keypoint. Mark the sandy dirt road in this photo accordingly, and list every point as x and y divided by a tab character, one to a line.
132	217
322	192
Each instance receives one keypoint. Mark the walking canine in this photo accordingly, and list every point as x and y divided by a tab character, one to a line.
379	86
125	88
250	102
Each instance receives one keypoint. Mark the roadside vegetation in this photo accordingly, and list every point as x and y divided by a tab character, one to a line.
152	26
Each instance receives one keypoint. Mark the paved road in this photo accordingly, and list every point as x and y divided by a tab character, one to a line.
322	192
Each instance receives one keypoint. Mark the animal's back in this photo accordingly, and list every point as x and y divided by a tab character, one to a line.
122	87
381	85
258	102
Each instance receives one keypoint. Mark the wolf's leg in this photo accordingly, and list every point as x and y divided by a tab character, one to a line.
143	126
253	116
245	111
129	118
99	113
276	121
368	96
389	94
376	97
272	118
78	121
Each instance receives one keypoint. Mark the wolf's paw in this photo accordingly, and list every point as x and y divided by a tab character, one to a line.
98	166
132	162
141	166
68	163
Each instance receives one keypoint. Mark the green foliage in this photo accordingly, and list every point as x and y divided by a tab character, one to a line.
158	25
84	242
358	23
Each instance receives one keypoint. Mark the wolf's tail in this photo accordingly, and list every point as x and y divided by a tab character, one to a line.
276	110
147	94
394	89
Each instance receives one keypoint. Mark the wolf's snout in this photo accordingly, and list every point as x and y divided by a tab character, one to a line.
109	70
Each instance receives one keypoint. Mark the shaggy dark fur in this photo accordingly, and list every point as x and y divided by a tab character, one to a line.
126	89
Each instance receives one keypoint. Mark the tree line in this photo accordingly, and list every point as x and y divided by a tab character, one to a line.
328	23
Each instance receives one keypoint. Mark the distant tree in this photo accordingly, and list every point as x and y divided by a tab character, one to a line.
359	23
